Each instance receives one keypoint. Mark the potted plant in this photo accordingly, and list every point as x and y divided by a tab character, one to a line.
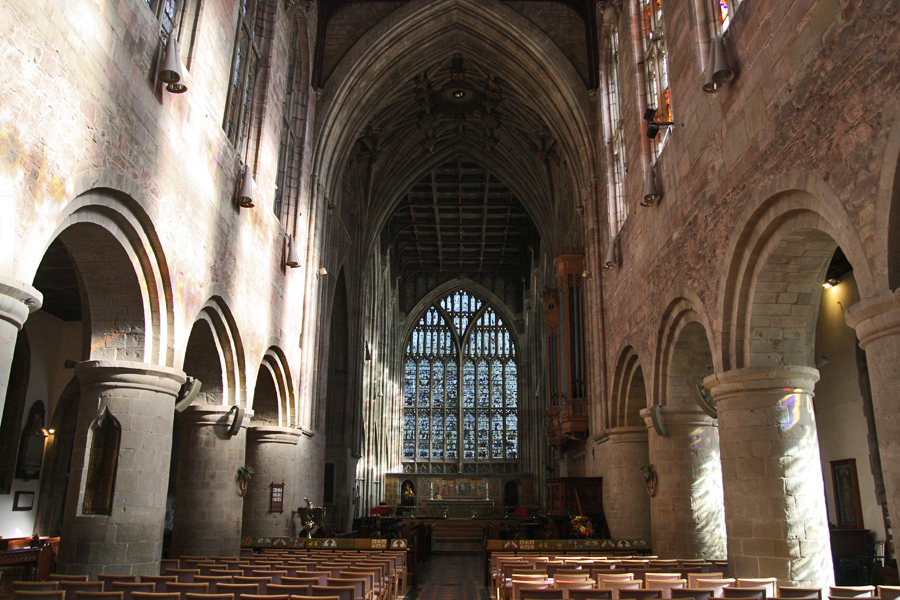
244	475
649	474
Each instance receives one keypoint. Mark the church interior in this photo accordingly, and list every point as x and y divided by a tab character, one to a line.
526	282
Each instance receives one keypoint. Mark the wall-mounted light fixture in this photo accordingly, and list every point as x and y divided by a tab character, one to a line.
651	190
721	69
245	194
293	257
171	71
653	127
830	283
611	260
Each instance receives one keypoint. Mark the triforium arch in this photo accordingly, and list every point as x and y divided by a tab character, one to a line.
122	269
629	391
461	395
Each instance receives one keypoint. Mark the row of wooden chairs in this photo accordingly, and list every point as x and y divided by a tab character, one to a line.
310	593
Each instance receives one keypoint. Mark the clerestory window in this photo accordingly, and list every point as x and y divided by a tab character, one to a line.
245	68
656	63
460	407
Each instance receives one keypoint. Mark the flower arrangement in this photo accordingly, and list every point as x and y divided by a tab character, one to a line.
409	495
581	526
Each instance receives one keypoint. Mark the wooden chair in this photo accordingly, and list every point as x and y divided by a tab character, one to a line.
261	582
213	581
236	590
264	597
666	586
595	594
693	577
274	576
645	594
851	591
528	584
358	584
129	587
159	581
321	576
155	596
760	593
342	592
85	595
692	593
38	595
70	587
35	586
168	563
184	575
770	583
108	578
290	590
193	596
187	588
800	593
61	577
539	594
888	592
621	588
315	598
717	584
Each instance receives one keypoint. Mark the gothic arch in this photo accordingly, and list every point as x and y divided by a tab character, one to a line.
629	391
794	228
273	390
683	316
887	240
374	62
119	257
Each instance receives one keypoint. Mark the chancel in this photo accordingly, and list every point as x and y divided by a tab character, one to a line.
449	298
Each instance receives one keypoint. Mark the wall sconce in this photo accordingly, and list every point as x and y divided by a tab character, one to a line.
171	71
245	194
651	191
322	272
48	432
293	258
830	283
611	261
653	127
722	72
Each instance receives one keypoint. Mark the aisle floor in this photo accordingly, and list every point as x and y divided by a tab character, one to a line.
451	576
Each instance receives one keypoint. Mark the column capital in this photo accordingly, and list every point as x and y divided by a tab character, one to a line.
875	317
207	415
17	300
624	435
131	375
680	415
270	434
750	381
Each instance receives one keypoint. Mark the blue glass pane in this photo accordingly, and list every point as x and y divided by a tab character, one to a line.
483	395
497	384
424	391
409	435
437	435
409	384
512	385
469	435
437	384
423	434
483	436
469	384
497	438
512	435
452	381
452	433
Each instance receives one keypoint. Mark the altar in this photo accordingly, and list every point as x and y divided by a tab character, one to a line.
458	508
458	495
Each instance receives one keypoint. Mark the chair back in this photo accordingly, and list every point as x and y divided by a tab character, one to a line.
693	577
155	596
800	593
595	594
690	592
187	588
341	592
38	594
237	589
301	581
770	583
357	584
851	591
760	593
108	578
261	582
889	592
35	586
539	594
84	595
71	587
61	577
279	589
183	575
129	587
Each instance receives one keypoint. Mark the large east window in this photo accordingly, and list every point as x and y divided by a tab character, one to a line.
460	402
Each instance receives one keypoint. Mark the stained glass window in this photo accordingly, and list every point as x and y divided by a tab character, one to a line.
616	130
488	387
656	63
725	11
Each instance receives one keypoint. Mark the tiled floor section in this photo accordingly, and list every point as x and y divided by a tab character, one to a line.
452	576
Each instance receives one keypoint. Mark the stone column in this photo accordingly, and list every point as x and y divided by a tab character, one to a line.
17	301
686	514
141	397
208	505
625	500
877	324
772	475
271	451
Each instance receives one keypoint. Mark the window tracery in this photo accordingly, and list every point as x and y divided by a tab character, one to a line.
460	335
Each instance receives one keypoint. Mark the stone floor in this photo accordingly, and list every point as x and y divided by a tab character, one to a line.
451	575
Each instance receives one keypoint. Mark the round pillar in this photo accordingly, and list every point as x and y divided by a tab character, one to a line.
271	451
625	500
17	301
208	505
686	513
877	324
772	475
129	539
